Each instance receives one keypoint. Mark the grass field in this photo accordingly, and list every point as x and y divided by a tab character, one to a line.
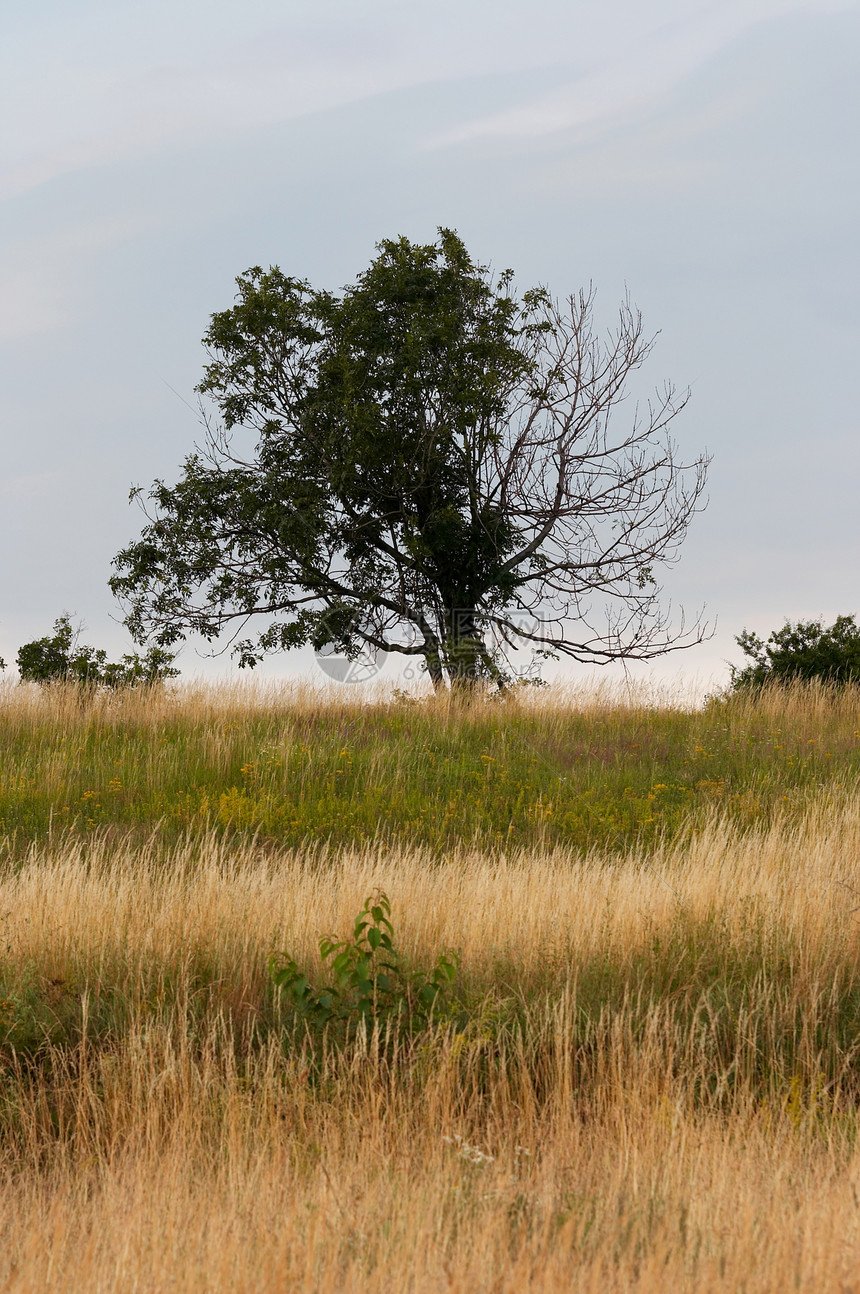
293	766
647	1076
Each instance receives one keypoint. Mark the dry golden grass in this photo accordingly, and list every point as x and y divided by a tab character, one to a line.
656	1089
69	706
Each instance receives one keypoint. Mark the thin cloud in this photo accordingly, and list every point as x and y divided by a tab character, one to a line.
104	83
638	73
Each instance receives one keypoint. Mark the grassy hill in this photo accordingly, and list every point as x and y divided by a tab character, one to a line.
291	766
645	1076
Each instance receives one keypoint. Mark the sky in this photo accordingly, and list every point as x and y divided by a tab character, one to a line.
700	154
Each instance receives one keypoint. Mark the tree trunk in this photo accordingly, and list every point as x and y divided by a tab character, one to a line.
435	670
433	658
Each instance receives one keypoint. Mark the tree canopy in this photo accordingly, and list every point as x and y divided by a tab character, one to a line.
805	650
425	463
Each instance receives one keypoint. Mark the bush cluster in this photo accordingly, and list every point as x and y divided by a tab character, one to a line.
59	657
805	650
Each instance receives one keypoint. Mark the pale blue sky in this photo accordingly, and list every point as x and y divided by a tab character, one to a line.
703	154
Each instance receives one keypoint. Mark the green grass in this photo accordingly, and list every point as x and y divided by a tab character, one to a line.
493	775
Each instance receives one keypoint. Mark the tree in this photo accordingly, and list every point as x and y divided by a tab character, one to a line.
58	657
424	464
805	650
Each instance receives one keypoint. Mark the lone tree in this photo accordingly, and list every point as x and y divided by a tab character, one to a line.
425	464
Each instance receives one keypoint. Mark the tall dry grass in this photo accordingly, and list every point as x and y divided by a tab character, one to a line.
653	1084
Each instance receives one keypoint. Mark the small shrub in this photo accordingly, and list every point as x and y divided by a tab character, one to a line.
58	657
370	984
806	650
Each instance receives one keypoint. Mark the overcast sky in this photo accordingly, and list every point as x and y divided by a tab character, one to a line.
702	153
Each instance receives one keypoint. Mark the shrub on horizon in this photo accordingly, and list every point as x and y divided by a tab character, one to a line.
805	651
59	658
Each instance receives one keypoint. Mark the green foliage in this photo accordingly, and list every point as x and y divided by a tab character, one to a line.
350	459
423	468
58	657
805	650
370	984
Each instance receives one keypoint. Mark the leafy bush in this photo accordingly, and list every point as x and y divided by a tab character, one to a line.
59	657
806	650
370	983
